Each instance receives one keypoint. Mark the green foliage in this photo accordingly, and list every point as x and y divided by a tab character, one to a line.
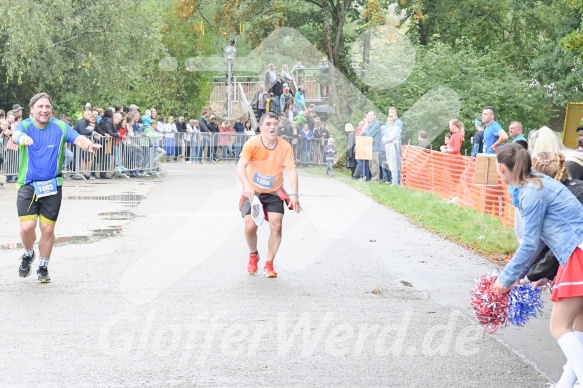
573	41
65	47
479	77
177	92
104	51
526	34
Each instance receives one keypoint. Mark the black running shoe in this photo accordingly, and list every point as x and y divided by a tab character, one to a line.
43	275
24	269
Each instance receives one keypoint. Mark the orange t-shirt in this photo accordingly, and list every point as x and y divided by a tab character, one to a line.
455	143
265	169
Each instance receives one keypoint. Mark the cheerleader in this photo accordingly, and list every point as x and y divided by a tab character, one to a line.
554	216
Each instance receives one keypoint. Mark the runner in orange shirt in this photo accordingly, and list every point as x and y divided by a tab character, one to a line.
260	169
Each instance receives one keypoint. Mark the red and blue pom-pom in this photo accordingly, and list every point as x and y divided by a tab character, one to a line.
495	311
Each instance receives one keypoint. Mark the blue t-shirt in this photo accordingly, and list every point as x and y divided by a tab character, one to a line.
491	136
519	137
43	160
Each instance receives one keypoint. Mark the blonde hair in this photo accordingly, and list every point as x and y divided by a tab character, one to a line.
460	126
551	164
544	140
348	128
547	140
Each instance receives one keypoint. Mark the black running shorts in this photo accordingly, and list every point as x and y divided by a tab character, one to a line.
270	201
30	207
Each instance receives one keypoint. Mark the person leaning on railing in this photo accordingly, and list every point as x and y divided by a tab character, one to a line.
225	141
239	128
107	130
249	131
190	142
205	137
478	138
285	75
159	152
457	137
10	149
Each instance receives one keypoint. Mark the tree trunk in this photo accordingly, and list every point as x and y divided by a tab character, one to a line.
327	29
339	18
365	49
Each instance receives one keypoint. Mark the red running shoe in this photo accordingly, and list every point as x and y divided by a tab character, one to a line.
253	260
268	270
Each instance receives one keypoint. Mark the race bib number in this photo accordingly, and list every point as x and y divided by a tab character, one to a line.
45	188
263	181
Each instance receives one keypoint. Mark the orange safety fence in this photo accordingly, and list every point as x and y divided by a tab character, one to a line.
452	178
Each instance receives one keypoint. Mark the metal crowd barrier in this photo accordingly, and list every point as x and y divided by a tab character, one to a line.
145	156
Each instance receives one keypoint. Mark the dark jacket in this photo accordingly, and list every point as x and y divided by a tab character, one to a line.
203	124
213	127
81	127
106	127
277	88
317	133
181	127
239	127
350	150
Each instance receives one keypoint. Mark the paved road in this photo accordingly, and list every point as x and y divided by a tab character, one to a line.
150	289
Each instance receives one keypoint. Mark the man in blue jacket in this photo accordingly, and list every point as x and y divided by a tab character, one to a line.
373	129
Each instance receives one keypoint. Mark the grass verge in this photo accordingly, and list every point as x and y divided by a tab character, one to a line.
458	224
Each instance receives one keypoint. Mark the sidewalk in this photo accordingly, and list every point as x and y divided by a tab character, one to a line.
363	299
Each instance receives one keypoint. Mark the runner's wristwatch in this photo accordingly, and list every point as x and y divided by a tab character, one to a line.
294	194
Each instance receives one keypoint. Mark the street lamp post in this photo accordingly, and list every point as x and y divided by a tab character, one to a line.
230	52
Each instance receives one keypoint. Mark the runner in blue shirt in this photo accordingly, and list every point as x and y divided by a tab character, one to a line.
41	140
494	135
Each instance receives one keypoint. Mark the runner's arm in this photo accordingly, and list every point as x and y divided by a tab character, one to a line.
293	197
86	144
242	172
20	138
502	138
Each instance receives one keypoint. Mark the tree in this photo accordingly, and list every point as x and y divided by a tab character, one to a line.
479	77
573	41
526	34
172	89
80	48
506	25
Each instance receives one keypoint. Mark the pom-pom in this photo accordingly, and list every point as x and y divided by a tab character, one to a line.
524	302
491	309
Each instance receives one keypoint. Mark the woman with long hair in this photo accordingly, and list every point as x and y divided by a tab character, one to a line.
545	139
249	131
454	146
554	216
546	265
